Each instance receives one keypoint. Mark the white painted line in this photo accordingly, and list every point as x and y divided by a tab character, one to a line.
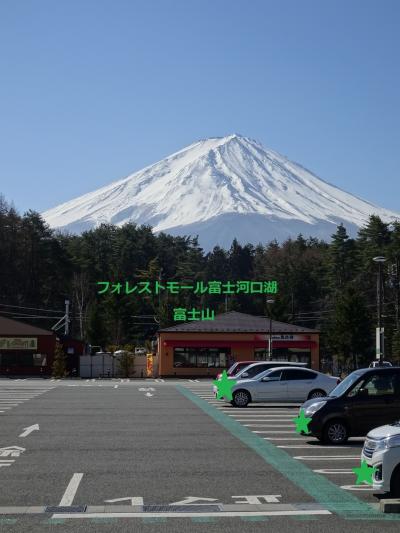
269	426
250	411
70	491
312	446
262	417
281	419
365	488
28	430
135	500
286	438
333	471
327	457
274	432
7	460
191	515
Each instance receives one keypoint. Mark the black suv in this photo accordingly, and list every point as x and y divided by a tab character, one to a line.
365	399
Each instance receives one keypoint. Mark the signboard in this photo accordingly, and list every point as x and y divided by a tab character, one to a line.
18	343
149	365
283	337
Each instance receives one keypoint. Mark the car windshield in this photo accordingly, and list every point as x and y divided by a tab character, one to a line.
345	384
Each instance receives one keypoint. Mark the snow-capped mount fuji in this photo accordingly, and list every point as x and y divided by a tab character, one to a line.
221	188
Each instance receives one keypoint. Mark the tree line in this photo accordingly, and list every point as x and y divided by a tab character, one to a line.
326	286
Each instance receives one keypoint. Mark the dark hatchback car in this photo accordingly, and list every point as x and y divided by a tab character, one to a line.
365	399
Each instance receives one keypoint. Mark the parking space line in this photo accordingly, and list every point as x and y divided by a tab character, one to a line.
327	457
274	432
285	438
71	490
333	471
269	425
228	514
314	446
279	419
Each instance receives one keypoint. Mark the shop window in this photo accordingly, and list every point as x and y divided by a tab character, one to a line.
294	355
39	359
201	357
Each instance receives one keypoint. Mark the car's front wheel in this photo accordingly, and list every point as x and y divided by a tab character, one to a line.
335	432
241	398
317	393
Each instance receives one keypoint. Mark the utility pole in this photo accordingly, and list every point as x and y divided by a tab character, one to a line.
380	348
66	325
269	301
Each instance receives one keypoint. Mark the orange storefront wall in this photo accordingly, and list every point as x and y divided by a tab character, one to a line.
242	349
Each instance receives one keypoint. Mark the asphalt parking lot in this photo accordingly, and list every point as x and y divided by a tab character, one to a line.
155	455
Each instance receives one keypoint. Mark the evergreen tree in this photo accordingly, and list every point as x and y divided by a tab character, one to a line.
126	363
97	333
60	362
341	260
350	335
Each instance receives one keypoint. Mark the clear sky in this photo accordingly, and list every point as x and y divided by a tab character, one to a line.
92	90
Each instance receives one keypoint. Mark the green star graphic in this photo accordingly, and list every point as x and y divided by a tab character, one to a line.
224	386
364	473
302	422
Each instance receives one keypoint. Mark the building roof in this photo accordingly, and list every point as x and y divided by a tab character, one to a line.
234	322
8	326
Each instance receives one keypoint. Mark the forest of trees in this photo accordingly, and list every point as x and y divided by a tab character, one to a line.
330	287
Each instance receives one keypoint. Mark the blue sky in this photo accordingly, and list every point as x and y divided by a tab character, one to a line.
92	90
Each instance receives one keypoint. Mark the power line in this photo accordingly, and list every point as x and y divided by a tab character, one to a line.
20	315
32	308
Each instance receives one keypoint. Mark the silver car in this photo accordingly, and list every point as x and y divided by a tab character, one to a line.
252	370
283	384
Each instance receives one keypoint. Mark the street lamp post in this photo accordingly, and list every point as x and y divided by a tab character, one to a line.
269	301
379	330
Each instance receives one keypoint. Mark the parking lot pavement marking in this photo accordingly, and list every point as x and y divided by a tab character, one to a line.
255	412
330	471
28	430
319	487
268	425
135	500
285	438
275	432
327	457
314	446
362	488
70	491
227	514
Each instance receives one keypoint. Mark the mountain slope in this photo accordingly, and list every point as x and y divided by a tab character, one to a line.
221	188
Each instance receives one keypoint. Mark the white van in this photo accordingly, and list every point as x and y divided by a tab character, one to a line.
382	450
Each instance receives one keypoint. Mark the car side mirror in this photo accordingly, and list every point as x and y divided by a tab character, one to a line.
245	374
267	378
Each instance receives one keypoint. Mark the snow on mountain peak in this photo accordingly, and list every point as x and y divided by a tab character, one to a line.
214	183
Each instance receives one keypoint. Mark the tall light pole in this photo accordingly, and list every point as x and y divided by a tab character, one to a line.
380	349
269	301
